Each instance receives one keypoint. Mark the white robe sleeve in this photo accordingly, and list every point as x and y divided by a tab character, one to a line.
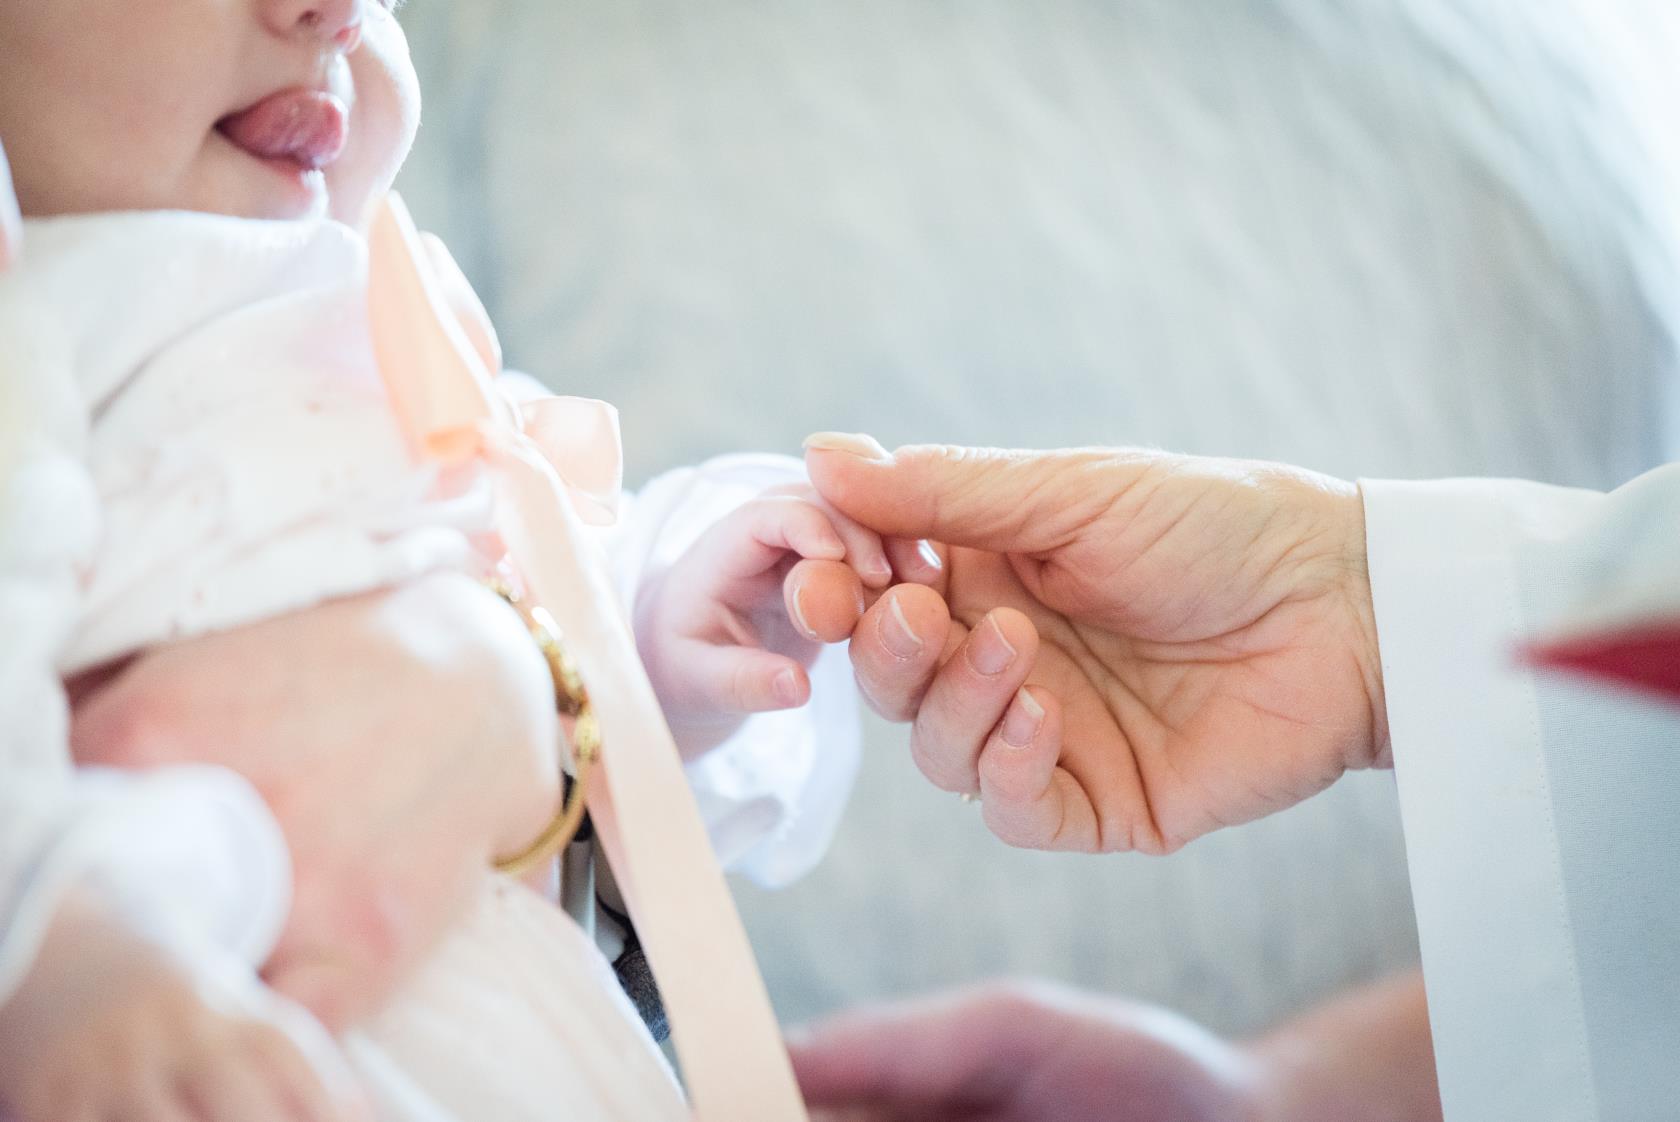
1542	813
189	855
772	794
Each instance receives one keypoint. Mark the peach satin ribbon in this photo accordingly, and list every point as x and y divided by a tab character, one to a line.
556	466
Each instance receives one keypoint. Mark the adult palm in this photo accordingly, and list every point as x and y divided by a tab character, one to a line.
1205	645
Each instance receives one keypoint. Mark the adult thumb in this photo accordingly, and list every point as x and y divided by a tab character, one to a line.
1006	501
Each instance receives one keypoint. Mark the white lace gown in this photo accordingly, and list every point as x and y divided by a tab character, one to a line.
195	436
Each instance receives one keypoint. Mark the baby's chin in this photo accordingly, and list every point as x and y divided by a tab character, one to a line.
227	180
236	183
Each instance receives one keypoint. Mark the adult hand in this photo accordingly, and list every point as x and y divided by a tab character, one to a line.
1034	1053
106	1025
1123	650
1019	1053
403	739
11	223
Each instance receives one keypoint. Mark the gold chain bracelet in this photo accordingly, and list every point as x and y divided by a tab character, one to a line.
572	699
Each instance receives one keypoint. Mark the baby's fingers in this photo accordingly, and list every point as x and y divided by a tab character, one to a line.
824	600
916	561
1025	798
864	550
734	681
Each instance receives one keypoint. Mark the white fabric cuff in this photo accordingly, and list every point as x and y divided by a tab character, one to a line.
1481	838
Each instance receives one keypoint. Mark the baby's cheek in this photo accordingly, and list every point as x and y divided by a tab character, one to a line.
382	129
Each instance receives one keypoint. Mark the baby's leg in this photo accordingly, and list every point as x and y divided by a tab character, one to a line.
403	740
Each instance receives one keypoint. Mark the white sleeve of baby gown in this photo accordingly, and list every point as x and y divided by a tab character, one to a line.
772	794
190	856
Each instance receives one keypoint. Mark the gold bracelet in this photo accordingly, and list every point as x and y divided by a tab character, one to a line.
572	699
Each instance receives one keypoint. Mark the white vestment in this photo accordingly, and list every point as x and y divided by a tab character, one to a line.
1542	811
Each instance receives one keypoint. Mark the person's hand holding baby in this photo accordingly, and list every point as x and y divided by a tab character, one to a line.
403	739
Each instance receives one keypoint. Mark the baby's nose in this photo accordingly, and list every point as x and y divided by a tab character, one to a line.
337	22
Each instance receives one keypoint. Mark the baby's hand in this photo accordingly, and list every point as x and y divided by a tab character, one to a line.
732	627
108	1026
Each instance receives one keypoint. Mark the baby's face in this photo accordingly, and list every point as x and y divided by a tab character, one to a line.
274	109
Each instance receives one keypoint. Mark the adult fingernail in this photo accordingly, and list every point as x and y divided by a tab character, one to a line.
798	605
1022	721
787	688
897	635
852	443
988	651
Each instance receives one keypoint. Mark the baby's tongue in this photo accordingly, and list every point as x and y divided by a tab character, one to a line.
308	127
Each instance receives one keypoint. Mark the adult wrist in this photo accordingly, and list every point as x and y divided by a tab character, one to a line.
1363	619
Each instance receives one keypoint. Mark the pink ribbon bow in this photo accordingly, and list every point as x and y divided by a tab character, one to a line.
452	415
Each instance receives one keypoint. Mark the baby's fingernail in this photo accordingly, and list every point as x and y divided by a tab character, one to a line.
1022	721
929	555
787	688
877	573
989	652
897	635
852	443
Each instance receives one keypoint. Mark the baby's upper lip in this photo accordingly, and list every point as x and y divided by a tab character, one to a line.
306	125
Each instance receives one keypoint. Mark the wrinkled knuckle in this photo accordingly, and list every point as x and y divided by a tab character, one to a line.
932	763
1010	830
888	707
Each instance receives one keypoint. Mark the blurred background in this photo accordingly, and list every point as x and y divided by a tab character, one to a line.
1374	237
